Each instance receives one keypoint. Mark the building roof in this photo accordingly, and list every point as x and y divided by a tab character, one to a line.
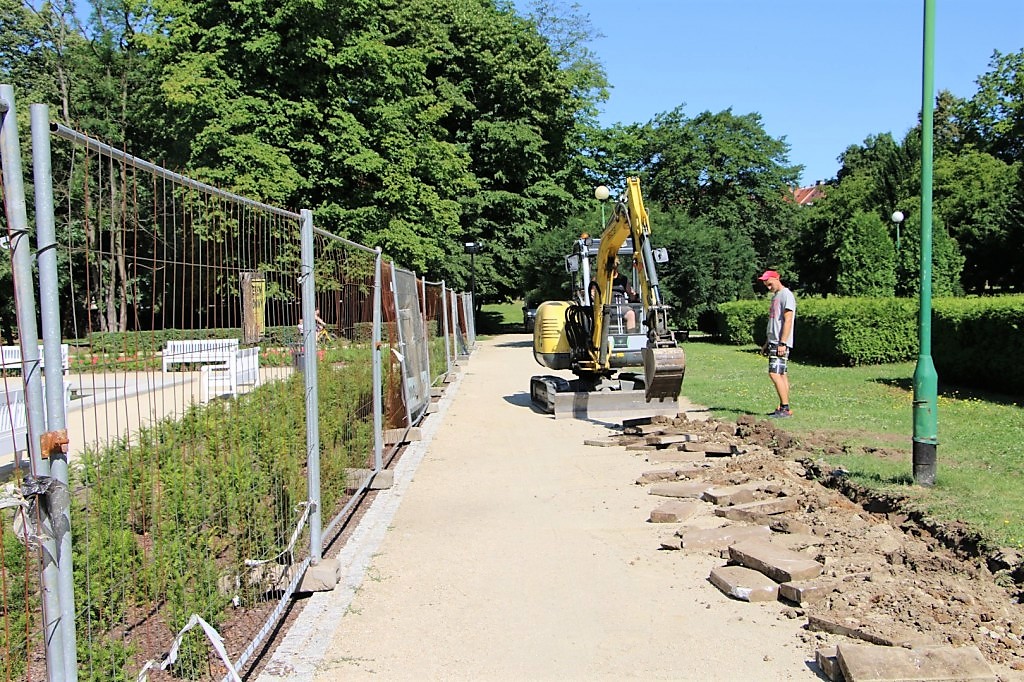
805	196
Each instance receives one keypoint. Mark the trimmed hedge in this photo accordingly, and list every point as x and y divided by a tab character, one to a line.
975	342
973	339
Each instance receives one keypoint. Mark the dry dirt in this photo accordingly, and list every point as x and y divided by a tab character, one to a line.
899	577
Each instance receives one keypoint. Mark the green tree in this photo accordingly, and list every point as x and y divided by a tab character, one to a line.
866	258
726	171
706	267
994	116
974	195
947	261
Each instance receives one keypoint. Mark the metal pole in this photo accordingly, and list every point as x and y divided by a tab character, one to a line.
21	261
926	423
376	348
309	337
49	303
472	279
447	331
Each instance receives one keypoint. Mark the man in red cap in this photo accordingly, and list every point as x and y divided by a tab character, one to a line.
781	319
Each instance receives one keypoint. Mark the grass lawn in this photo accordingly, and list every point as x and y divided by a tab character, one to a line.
497	318
980	453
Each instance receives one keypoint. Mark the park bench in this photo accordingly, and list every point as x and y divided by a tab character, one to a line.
11	357
14	419
199	351
241	369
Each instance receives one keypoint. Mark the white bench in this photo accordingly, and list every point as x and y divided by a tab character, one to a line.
242	369
12	357
14	419
201	351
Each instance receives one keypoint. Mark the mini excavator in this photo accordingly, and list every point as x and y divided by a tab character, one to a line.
592	335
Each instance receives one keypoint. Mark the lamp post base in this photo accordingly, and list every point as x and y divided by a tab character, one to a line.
924	463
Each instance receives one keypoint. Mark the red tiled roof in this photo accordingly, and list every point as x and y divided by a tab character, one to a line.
805	196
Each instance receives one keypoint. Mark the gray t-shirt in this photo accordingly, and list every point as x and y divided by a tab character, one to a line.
782	301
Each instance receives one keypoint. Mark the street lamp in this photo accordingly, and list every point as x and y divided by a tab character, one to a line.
897	218
472	248
601	193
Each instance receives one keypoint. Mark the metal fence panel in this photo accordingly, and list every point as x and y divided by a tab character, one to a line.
187	350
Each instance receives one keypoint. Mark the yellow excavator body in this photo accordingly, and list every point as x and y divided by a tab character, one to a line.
589	337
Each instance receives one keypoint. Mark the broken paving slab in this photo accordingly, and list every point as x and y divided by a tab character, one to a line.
752	512
659	455
688	489
672	474
674	511
828	663
855	628
778	563
671	438
712	449
730	495
806	591
744	584
866	663
720	538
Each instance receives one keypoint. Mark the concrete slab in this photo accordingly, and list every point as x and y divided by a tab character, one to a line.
355	478
778	563
854	628
755	511
744	584
688	489
658	475
730	495
322	577
828	662
805	591
674	511
671	439
411	435
716	539
866	663
662	455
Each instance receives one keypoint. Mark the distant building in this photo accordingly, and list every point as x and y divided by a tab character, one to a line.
805	196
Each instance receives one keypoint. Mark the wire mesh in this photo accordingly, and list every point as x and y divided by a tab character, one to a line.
183	371
186	419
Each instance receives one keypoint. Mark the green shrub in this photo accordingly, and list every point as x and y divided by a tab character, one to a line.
166	524
740	322
974	340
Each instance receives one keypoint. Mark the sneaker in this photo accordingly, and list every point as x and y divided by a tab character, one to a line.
781	414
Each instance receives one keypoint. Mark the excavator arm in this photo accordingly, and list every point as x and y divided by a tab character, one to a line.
663	359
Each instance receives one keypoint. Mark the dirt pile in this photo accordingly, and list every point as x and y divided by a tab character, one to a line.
894	576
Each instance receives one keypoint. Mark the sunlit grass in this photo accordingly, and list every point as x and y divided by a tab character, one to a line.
980	453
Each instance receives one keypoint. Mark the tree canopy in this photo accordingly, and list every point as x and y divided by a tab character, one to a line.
418	125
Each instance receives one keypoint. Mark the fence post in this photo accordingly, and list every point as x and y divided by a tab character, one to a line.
376	349
49	304
21	260
309	371
444	320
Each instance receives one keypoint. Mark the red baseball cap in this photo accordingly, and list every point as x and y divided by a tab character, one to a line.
768	274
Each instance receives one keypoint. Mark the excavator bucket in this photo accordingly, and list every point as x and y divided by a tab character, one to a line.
663	371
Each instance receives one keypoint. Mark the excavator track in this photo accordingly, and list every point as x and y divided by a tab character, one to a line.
617	399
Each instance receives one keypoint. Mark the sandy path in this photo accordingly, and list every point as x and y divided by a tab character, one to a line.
519	553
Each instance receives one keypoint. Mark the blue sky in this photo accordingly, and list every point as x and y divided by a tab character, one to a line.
823	74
